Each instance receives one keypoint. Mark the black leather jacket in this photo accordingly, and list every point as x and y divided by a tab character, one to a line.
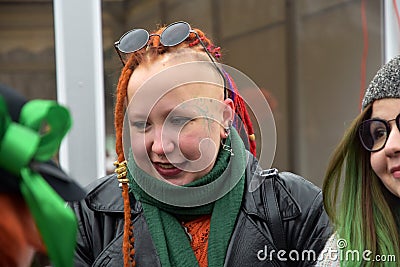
257	240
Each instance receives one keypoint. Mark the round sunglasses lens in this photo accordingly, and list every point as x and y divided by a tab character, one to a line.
175	34
133	41
373	134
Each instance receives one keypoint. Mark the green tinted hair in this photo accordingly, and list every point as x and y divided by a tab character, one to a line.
354	198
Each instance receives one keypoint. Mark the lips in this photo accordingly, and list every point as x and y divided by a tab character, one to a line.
395	171
166	165
166	169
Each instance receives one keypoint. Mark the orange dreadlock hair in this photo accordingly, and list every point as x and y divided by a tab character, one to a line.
154	49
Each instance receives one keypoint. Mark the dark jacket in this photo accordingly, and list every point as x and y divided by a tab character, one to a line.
258	236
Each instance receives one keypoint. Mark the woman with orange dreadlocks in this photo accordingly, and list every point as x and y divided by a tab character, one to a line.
183	193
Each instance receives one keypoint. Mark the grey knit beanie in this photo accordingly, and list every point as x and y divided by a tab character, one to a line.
385	84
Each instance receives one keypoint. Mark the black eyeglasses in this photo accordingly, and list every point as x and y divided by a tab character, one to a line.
173	34
374	133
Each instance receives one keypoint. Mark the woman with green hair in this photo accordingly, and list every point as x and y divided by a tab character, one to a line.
362	183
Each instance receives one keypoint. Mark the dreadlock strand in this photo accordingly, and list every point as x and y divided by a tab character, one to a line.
250	130
241	110
121	93
119	110
127	246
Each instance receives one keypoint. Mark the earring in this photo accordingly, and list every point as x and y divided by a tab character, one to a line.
228	128
227	148
227	131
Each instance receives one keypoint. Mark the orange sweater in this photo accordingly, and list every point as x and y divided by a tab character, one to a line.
199	230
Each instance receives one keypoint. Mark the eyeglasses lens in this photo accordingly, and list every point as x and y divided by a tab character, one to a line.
373	134
175	34
133	41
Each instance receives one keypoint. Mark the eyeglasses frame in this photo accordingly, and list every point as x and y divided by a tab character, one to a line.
388	130
116	46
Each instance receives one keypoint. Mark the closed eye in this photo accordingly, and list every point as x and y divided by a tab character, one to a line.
179	121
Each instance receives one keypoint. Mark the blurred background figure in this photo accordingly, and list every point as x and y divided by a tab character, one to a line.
33	189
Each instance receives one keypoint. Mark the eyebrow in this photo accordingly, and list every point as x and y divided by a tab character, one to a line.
379	118
188	110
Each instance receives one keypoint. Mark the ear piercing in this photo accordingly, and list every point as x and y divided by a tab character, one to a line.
227	131
228	128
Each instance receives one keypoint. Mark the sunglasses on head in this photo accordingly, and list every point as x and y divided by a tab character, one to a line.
374	133
174	34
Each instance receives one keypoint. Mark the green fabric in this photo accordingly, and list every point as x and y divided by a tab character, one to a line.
168	235
19	145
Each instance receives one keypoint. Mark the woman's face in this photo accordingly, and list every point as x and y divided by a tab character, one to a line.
386	162
176	126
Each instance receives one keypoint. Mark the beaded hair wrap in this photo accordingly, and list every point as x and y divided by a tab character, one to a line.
215	51
154	49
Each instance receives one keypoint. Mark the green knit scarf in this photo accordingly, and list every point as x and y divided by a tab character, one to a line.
171	242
